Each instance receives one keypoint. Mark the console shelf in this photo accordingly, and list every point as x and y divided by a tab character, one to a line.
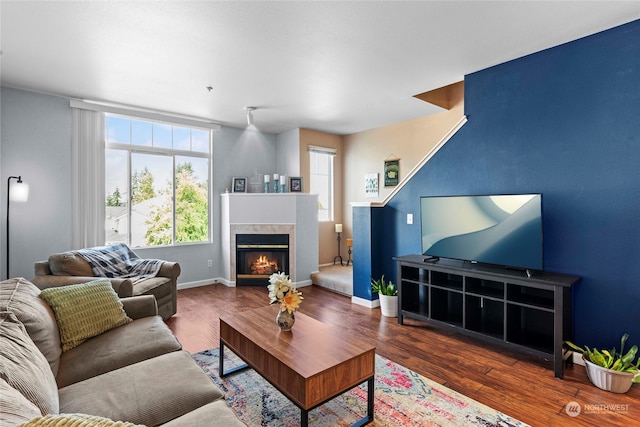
528	312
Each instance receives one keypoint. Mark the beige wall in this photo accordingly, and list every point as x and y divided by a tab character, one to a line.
328	246
410	141
365	152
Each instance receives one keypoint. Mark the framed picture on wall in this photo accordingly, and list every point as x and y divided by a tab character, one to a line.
295	184
239	184
391	172
371	185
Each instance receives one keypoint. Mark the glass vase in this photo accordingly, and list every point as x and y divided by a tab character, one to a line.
285	320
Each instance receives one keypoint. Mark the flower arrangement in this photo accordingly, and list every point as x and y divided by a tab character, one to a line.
282	291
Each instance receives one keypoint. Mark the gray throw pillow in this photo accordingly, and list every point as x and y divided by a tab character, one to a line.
21	297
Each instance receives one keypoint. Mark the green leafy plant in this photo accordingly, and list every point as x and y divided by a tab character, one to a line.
384	288
612	359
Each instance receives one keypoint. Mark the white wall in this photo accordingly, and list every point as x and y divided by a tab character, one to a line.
288	153
36	143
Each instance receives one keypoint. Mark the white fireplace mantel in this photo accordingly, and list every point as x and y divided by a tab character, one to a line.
295	214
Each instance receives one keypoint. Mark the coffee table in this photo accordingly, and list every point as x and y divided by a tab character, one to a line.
310	365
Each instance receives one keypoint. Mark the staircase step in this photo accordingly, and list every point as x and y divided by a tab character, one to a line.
337	278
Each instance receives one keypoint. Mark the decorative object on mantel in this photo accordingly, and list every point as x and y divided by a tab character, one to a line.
239	184
283	183
388	293
276	183
349	246
295	184
283	292
338	230
371	185
391	171
267	180
611	370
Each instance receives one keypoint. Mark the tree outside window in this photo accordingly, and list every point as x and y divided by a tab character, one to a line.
156	195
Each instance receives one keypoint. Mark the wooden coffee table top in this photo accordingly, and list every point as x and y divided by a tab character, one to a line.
310	364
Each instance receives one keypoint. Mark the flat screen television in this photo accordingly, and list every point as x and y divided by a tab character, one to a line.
505	230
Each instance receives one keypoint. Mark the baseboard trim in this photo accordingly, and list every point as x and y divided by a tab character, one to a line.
200	283
231	284
577	358
365	302
303	283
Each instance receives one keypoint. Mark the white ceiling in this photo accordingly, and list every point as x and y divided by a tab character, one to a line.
339	67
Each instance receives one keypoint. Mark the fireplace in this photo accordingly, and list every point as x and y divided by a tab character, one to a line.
258	256
293	214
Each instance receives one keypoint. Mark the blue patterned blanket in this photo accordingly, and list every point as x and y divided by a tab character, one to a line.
118	261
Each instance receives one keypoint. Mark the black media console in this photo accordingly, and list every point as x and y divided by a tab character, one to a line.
528	311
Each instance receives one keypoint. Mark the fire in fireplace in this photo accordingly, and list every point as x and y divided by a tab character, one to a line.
258	256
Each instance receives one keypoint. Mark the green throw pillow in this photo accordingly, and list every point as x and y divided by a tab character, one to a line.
84	311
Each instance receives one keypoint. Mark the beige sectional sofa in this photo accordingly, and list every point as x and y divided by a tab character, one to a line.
134	373
67	268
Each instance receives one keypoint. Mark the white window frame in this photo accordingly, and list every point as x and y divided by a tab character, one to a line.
132	149
330	152
88	160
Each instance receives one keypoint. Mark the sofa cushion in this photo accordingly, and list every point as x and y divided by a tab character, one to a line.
157	286
140	340
20	297
218	411
24	367
76	420
84	311
69	264
151	392
14	407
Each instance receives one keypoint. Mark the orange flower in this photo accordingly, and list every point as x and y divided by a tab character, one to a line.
283	291
291	301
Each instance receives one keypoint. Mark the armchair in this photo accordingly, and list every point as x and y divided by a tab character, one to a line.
68	268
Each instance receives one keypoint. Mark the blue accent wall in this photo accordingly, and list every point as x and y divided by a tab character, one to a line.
362	266
564	122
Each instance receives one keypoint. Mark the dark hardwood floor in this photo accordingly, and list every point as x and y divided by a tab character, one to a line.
517	384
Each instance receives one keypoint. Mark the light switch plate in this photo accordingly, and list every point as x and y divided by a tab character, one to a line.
409	218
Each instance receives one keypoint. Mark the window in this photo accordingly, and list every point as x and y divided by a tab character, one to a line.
156	182
321	171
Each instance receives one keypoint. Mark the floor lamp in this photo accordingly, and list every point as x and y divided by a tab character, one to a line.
20	194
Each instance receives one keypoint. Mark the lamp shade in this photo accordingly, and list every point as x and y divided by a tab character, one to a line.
19	191
338	228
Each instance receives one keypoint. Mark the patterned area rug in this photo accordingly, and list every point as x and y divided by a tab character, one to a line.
402	398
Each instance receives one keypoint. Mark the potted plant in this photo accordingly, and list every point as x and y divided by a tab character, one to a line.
388	293
609	369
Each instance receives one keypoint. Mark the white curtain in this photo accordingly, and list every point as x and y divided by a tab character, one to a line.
88	177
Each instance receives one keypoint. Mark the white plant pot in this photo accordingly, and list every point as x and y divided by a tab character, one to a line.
608	379
389	305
